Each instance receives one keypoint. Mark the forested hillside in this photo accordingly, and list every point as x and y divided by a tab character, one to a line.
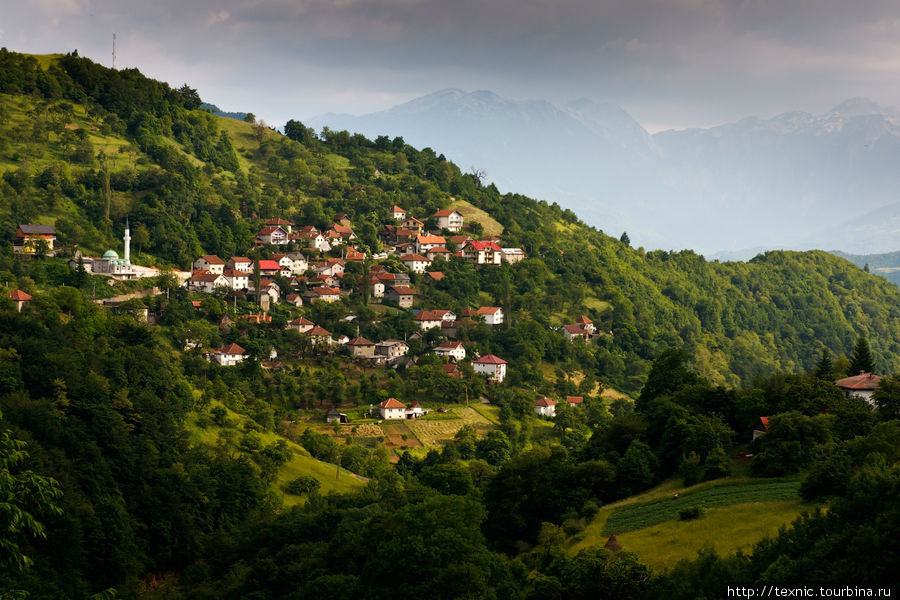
133	465
83	147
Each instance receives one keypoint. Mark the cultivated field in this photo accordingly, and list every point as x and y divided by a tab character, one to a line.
438	432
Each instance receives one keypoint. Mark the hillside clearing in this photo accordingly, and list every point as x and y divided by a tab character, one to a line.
476	215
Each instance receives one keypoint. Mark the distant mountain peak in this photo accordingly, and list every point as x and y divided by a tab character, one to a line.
859	106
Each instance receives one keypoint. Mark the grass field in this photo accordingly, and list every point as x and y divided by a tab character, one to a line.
727	529
739	513
331	478
472	214
643	515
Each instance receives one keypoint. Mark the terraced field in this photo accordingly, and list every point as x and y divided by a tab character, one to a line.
438	432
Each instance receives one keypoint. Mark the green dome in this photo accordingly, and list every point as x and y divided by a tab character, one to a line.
110	254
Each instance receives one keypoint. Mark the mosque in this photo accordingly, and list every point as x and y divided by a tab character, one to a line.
109	264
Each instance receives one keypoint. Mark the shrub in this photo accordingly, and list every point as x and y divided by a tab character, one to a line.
690	513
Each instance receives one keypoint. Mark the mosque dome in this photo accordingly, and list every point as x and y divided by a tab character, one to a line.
111	255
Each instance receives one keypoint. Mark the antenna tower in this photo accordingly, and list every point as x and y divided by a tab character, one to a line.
114	52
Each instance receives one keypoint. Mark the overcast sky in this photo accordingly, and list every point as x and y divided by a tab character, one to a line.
670	63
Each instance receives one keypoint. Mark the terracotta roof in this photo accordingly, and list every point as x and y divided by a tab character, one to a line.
446	212
574	399
450	345
360	341
765	422
490	359
403	289
459	239
213	259
484	245
241	259
230	349
302	321
583	320
342	229
269	230
204	277
19	296
318	331
450	369
577	329
396	208
612	543
269	265
487	310
327	291
278	221
438	250
544	402
391	403
863	381
427	315
414	257
234	273
436	275
431	239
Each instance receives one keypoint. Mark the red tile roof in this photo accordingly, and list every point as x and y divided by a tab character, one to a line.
544	402
414	257
269	265
436	275
396	208
431	239
574	329
863	381
19	296
230	349
765	422
403	289
391	403
446	212
318	331
213	259
301	321
583	320
450	345
278	221
360	341
484	245
574	399
490	359
487	310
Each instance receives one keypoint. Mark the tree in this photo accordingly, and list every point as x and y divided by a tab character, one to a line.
625	239
250	118
23	495
861	360
825	370
887	398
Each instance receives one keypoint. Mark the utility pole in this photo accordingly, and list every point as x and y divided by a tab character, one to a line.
114	52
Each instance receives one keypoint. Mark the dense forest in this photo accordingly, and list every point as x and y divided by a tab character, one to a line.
105	490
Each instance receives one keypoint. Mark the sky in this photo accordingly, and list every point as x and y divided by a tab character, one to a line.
669	63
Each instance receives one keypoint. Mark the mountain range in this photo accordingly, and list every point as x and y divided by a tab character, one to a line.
796	180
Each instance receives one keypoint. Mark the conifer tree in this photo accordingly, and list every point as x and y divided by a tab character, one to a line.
825	370
625	239
861	360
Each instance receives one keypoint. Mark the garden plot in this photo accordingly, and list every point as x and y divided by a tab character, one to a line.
437	432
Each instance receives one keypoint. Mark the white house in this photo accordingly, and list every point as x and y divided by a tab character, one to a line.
240	263
299	264
574	400
236	280
424	243
392	409
229	355
862	385
415	262
390	349
272	234
493	315
513	255
398	213
573	332
426	319
545	407
319	336
492	366
454	350
482	253
204	281
449	219
211	263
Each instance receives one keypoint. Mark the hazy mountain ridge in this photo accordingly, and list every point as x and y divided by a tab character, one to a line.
794	180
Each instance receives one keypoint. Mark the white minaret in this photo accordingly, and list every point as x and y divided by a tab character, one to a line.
127	238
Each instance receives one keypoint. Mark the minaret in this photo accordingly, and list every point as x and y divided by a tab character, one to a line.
127	238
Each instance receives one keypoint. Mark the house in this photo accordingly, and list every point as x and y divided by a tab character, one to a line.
459	240
345	231
574	400
438	252
31	238
209	262
413	225
269	288
445	315
20	298
299	265
426	319
354	255
240	263
236	280
415	410
424	243
319	336
294	299
586	324
451	369
285	225
301	324
492	366
360	347
390	350
376	287
449	219
482	253
229	355
342	219
392	409
272	234
493	315
512	255
333	416
454	350
206	282
761	427
435	275
403	295
268	268
545	407
573	332
326	294
415	262
314	239
862	385
398	213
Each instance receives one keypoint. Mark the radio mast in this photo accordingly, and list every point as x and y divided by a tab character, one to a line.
114	52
